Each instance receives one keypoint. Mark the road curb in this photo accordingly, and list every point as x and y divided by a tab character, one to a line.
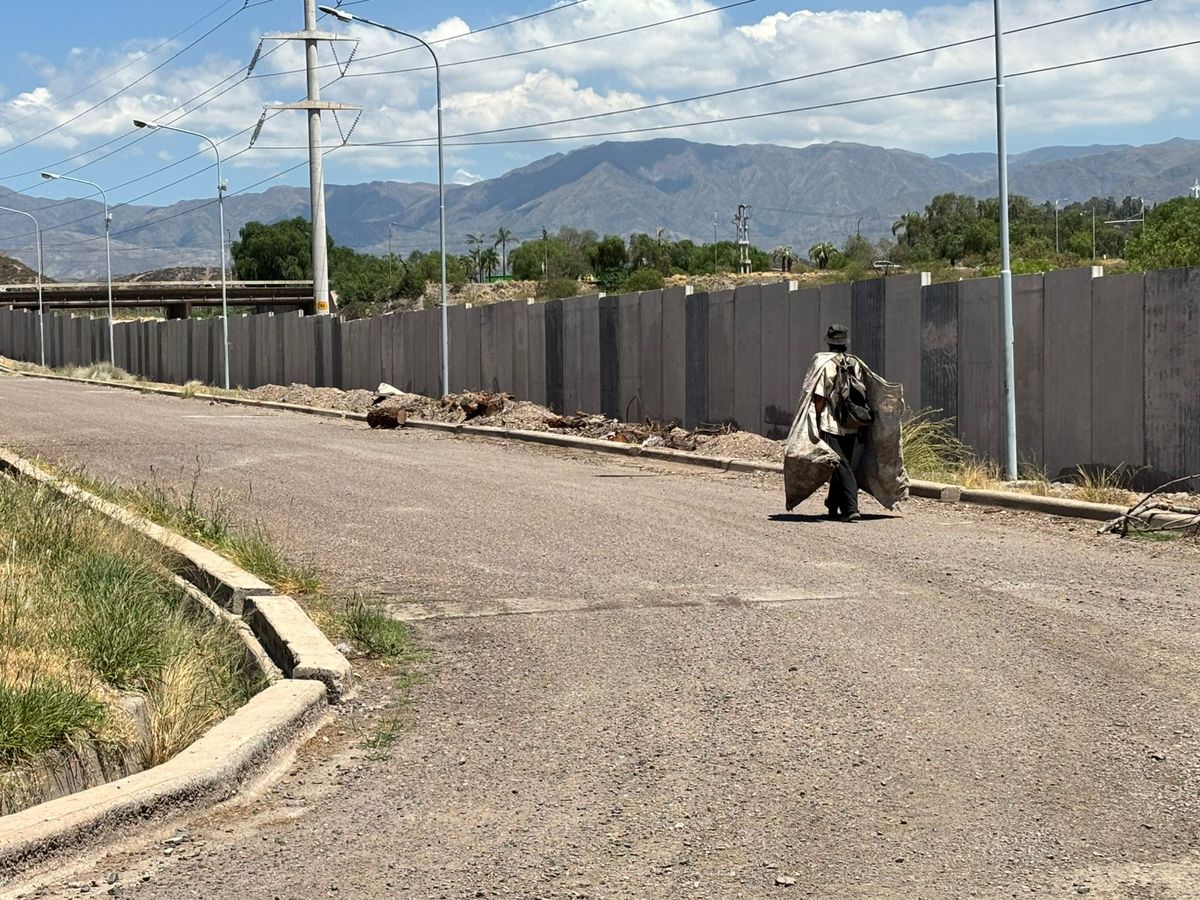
247	744
1054	506
294	643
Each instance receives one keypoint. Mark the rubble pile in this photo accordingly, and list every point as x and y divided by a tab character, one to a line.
389	407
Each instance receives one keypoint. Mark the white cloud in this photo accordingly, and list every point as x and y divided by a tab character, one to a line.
462	176
698	55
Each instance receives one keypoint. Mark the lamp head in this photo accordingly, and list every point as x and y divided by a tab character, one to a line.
49	176
138	123
340	14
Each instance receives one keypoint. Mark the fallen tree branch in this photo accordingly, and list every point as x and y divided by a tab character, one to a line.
1140	516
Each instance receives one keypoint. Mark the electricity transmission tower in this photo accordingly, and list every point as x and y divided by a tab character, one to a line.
314	106
742	221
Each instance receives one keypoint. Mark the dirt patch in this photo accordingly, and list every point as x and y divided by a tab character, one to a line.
504	411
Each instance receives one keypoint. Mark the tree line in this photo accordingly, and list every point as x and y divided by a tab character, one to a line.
954	230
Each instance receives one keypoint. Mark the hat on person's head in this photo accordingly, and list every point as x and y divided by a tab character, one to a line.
837	334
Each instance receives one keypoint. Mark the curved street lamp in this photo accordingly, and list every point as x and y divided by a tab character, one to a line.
41	317
222	187
342	16
51	176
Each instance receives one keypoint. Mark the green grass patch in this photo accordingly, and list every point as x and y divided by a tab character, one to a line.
378	634
88	613
40	713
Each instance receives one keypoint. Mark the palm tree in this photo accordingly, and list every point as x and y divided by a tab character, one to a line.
784	255
821	253
475	242
907	230
503	236
489	260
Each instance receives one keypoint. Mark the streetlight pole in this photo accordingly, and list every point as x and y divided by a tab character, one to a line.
1006	299
1056	202
41	312
222	187
51	176
344	16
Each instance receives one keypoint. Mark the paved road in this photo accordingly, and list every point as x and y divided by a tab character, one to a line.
647	684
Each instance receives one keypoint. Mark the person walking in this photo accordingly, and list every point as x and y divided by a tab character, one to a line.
839	381
846	432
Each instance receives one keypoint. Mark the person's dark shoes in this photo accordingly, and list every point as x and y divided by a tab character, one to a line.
852	517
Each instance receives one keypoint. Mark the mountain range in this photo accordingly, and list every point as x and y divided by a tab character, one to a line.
797	196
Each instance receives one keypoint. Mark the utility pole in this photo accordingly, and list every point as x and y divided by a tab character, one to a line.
313	105
742	221
1006	297
1195	189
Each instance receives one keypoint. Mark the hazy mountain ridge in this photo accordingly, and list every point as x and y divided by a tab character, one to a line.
797	197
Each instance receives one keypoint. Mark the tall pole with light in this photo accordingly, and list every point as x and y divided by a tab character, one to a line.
222	187
51	176
1006	298
344	16
37	229
1056	202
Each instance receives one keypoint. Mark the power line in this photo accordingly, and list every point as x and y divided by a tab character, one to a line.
561	44
107	75
777	112
445	40
788	80
136	81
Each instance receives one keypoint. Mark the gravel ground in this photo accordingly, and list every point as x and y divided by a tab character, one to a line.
658	685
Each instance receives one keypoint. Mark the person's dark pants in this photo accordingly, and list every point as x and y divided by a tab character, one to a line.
843	487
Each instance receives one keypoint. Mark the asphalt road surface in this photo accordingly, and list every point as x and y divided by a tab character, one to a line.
645	682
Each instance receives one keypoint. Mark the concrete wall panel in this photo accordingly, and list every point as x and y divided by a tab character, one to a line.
1067	318
610	357
805	339
721	350
837	307
629	330
553	324
474	349
520	351
1118	370
536	364
1172	362
1028	311
775	360
674	353
433	352
939	350
980	370
868	322
650	344
505	361
902	335
747	371
696	348
458	348
488	348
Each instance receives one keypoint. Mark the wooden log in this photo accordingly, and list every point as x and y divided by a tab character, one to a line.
386	417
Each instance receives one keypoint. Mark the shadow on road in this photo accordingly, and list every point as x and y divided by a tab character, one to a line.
820	517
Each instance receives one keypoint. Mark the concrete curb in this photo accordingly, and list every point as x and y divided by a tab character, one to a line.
294	643
214	768
1054	506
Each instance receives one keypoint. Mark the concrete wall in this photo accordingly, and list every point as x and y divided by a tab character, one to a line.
1108	369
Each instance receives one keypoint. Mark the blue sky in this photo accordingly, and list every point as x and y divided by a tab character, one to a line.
49	86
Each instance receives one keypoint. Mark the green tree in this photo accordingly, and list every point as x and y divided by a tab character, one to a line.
646	279
1170	237
489	261
281	251
503	238
821	254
